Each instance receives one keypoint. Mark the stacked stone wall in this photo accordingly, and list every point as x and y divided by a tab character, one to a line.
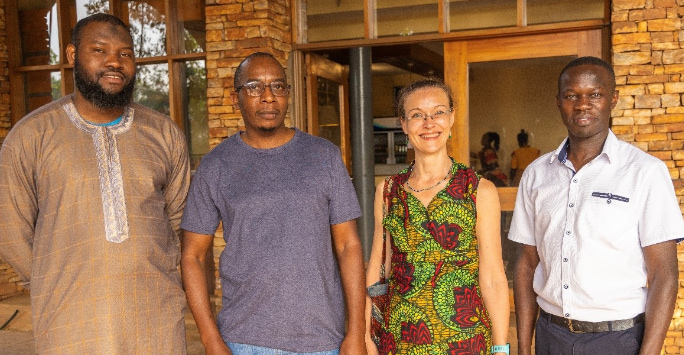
235	29
648	56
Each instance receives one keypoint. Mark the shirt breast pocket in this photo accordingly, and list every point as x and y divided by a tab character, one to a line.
610	217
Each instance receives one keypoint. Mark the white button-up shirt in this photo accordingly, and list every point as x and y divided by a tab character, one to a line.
589	227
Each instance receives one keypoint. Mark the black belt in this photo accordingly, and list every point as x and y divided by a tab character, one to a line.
578	326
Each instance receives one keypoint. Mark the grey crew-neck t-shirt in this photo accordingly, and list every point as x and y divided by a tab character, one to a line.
280	279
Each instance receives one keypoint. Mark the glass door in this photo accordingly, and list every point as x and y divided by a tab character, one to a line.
327	102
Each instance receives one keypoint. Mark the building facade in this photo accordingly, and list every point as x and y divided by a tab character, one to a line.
644	40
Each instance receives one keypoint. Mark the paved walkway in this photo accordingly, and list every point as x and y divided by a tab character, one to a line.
17	337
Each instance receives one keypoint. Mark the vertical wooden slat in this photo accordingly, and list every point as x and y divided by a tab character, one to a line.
345	141
299	22
68	17
116	10
522	13
456	76
370	19
174	45
298	95
444	16
14	52
311	97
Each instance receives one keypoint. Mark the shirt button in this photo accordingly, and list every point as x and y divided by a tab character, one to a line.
565	287
565	260
608	201
567	315
571	205
567	232
574	180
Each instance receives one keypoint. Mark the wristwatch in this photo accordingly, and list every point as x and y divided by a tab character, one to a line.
501	349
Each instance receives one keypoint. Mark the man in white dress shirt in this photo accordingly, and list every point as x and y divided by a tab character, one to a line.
597	221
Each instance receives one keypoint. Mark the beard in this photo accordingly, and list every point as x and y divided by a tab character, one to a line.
267	129
96	95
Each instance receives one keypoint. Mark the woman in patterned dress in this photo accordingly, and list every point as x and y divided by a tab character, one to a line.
448	292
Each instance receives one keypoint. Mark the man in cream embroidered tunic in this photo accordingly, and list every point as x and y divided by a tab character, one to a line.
92	189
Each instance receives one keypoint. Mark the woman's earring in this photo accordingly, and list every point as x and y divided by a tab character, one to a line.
449	134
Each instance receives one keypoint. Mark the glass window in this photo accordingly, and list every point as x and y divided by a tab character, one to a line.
196	114
56	85
40	88
46	77
147	21
85	8
476	14
39	35
192	26
329	20
329	110
550	11
407	17
152	87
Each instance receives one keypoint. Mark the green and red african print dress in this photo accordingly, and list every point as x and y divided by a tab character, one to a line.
436	306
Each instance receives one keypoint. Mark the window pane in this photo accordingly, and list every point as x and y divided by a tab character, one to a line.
196	115
474	14
407	17
192	26
329	20
39	34
85	8
56	84
147	21
329	111
40	88
152	87
549	11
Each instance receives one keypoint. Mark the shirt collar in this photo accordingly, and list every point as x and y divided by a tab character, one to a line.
609	149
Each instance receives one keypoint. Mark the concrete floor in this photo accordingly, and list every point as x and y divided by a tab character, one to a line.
17	337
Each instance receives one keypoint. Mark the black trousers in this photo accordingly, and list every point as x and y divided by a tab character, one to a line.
551	339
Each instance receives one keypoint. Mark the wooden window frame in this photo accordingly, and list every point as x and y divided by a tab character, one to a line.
174	59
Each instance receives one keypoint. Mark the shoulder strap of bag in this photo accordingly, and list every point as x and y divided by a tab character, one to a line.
385	207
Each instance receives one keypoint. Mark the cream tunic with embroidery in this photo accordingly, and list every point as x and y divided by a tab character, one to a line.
90	216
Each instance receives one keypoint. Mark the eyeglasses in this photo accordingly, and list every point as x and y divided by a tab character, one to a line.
257	88
417	116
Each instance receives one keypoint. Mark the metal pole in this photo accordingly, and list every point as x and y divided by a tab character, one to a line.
361	116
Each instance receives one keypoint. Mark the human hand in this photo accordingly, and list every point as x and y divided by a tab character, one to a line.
353	345
371	348
217	348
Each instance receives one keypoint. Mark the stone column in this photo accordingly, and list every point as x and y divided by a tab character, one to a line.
648	56
236	29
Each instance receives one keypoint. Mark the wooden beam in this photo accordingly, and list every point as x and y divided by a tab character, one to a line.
455	36
456	76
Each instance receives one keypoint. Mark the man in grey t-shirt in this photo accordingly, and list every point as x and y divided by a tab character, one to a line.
293	256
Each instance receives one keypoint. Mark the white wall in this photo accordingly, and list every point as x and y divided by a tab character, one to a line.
508	96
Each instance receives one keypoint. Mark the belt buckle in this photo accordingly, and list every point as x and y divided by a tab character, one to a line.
572	329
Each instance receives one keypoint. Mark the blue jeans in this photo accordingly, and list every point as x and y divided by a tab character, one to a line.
244	349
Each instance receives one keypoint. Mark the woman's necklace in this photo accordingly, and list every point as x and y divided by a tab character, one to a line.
430	187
